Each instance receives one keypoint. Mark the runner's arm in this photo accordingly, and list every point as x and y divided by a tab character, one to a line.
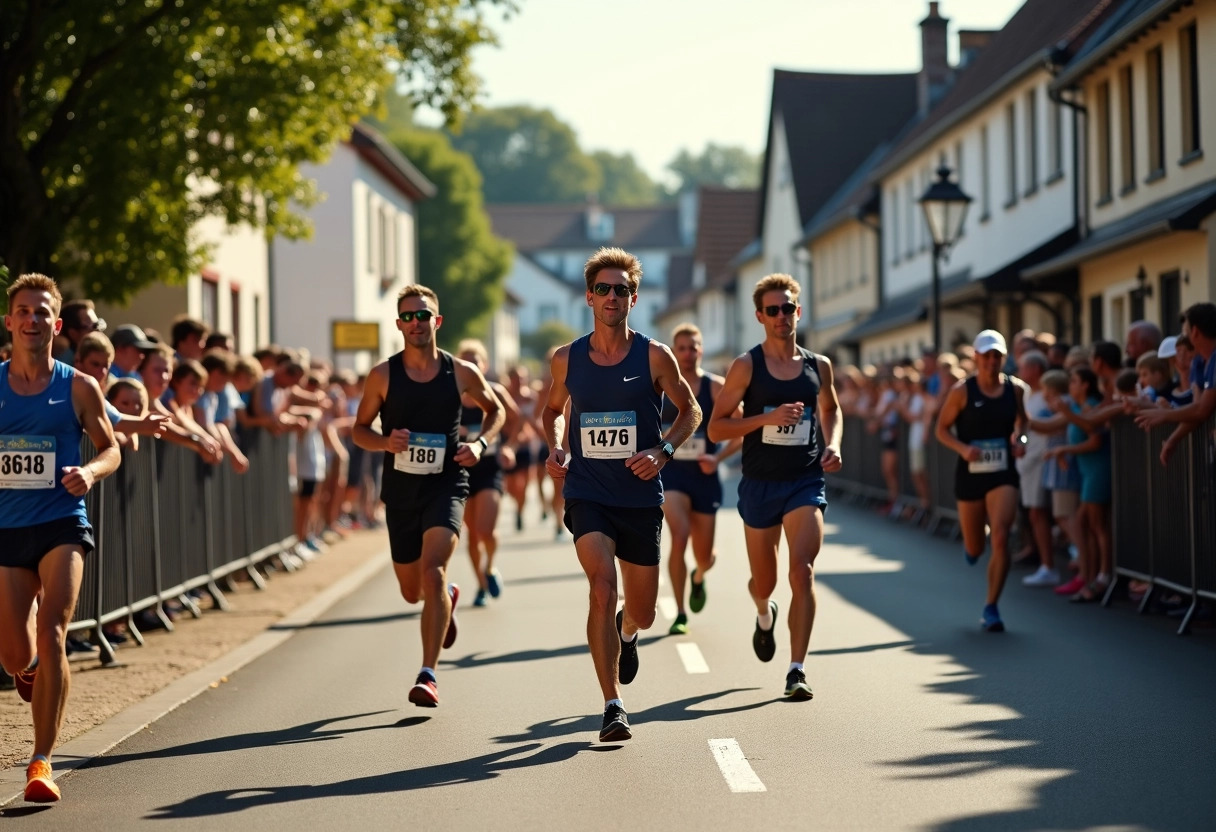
473	383
91	412
727	421
830	419
956	400
729	449
553	413
364	435
666	374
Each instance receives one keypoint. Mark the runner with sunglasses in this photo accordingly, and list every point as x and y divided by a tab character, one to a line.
417	396
614	380
787	393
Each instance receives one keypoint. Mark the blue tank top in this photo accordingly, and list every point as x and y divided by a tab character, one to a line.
39	436
614	413
699	441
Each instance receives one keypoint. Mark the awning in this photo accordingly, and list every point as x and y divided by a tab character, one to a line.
903	309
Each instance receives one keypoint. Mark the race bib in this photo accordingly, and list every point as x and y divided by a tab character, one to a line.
799	434
424	455
994	457
27	462
692	449
609	435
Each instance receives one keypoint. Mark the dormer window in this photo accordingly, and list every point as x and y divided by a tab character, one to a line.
601	225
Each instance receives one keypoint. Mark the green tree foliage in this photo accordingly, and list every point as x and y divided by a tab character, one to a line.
124	122
459	256
625	183
549	334
730	167
527	155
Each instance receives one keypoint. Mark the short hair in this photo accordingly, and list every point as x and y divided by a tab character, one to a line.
775	283
1153	363
1036	358
188	367
184	327
474	346
1045	340
218	360
268	351
217	340
162	350
1090	379
248	365
95	342
1126	380
1108	352
1184	341
1202	316
613	258
686	328
72	309
117	385
947	361
1056	381
38	283
417	290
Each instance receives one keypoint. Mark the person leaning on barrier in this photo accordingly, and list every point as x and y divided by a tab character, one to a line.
186	386
155	372
131	344
93	356
1199	327
216	407
130	398
270	399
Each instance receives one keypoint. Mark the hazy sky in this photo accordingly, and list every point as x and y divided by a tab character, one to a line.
652	76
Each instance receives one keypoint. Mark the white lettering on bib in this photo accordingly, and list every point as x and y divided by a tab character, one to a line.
424	455
799	434
609	435
27	462
994	457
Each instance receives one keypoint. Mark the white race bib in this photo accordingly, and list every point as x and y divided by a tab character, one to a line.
27	462
424	455
609	435
994	457
799	434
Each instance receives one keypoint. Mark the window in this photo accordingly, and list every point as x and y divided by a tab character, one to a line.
388	244
1032	141
209	314
1096	324
1171	300
236	318
1127	136
894	214
1102	136
1011	154
369	220
1135	304
1189	69
925	179
985	183
257	320
1156	114
911	234
1055	140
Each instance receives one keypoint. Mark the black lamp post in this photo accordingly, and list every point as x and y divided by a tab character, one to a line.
945	206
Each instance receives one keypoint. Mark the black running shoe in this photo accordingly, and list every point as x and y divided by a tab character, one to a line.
796	686
616	725
628	666
763	641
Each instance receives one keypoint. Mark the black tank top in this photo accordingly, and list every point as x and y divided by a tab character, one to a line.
705	398
988	422
431	411
773	453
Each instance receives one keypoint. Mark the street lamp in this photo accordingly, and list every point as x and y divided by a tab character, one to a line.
945	206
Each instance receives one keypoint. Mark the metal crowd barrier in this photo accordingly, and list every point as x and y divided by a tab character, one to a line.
167	523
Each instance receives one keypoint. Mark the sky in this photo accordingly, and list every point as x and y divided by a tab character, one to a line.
653	76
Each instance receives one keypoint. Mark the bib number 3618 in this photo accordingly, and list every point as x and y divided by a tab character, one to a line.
27	462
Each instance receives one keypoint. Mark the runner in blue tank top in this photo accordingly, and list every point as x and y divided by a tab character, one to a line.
416	394
45	408
614	380
692	489
786	393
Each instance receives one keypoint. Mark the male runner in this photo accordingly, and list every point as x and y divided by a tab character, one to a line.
614	379
416	394
787	392
692	489
45	407
988	414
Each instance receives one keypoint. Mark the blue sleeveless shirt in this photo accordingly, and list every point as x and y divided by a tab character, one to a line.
614	413
699	441
39	435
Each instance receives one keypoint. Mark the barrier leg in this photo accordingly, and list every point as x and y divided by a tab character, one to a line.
108	658
190	604
134	631
258	579
217	597
1144	601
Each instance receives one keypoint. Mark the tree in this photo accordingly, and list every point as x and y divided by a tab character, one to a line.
123	123
527	155
549	334
459	256
625	183
729	167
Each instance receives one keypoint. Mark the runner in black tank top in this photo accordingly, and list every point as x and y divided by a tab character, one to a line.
787	393
989	420
416	395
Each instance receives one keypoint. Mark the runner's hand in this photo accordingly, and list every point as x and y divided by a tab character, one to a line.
506	458
973	454
786	414
398	441
708	463
466	455
646	465
555	465
77	479
831	460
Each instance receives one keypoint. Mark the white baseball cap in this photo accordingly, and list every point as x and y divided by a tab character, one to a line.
1168	347
990	340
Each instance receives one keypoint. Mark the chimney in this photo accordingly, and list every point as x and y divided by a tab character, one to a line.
935	74
970	43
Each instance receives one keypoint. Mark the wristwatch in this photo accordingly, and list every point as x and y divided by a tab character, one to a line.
667	448
484	444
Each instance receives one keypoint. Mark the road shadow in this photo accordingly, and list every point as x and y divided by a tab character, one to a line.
349	622
481	659
863	648
564	577
316	731
485	767
1113	713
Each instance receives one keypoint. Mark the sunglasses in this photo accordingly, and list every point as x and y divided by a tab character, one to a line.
784	308
423	315
620	289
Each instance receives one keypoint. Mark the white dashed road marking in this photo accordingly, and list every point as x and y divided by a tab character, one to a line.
734	766
690	654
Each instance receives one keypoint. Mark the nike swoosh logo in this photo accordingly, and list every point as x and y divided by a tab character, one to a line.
635	378
55	401
979	404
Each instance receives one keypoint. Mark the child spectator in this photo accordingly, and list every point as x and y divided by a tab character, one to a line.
156	371
130	398
1156	380
1061	474
216	407
1180	349
310	472
917	410
1126	385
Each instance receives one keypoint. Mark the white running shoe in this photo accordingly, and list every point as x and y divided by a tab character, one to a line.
1042	577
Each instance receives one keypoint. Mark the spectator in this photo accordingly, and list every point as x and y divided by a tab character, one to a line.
917	410
310	472
1199	326
1142	336
187	337
270	399
1126	385
1061	474
130	398
1156	380
928	371
220	341
269	357
215	410
1178	348
885	421
1057	354
93	356
131	344
1035	500
186	382
79	319
156	371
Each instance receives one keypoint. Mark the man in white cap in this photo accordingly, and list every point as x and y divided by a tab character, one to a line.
988	414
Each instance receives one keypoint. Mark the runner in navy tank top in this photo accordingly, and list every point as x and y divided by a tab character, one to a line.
692	489
614	380
416	394
787	394
45	409
989	420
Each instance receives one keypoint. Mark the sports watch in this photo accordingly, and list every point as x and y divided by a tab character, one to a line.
668	449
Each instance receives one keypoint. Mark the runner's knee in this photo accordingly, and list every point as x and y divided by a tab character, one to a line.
603	594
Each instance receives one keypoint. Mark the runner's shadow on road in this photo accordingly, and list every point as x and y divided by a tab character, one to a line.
863	648
537	655
548	579
315	731
682	710
475	770
349	622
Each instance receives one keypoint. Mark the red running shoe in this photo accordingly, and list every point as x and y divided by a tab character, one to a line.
425	692
449	638
1072	587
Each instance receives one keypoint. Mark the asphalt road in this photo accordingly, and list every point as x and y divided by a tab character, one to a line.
1078	717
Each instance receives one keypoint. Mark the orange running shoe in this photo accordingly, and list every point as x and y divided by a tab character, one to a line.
24	681
39	787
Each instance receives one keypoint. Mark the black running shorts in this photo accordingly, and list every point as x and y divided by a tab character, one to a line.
25	546
407	524
635	531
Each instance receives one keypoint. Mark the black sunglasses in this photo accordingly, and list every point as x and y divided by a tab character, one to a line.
786	308
621	289
423	315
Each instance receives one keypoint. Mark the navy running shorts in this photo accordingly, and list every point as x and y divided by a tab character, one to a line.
763	503
703	490
635	531
407	523
24	547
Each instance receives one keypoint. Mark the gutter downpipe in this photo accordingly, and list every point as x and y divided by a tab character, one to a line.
1080	167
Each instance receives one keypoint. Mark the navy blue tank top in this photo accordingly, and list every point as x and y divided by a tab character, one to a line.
782	453
699	441
431	411
39	435
988	423
614	413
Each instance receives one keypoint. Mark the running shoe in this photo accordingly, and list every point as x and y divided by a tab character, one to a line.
763	641
1072	587
679	627
1043	576
991	621
628	666
494	583
449	638
481	598
616	725
24	681
519	522
696	593
796	686
425	692
972	560
39	787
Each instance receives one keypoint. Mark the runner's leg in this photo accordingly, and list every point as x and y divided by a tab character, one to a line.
972	517
475	541
485	516
60	572
641	585
438	544
597	555
18	618
1002	506
804	536
762	558
702	528
677	508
